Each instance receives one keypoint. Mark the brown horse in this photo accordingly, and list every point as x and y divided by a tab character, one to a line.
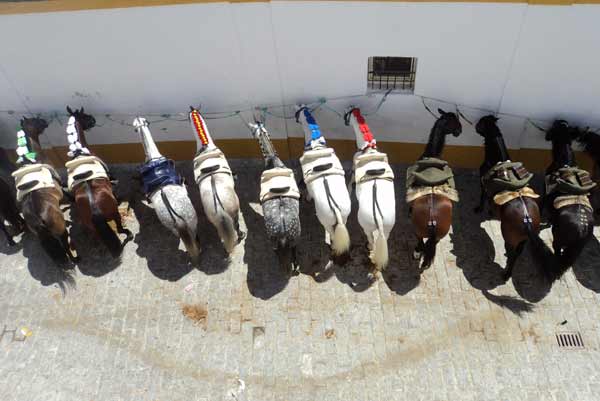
95	202
432	214
41	208
520	217
591	145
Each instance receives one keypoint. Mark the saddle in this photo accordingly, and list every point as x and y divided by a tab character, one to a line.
84	168
320	162
569	181
371	165
429	172
506	176
278	182
157	173
568	200
32	177
210	162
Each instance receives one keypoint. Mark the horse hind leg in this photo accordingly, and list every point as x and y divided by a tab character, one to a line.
121	229
418	249
511	258
67	245
9	239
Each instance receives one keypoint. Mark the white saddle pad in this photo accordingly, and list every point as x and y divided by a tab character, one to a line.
278	182
210	162
365	164
320	162
44	174
83	165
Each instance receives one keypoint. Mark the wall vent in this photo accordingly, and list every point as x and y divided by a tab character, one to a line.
570	340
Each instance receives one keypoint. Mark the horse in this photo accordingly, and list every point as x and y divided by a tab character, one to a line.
325	181
39	192
167	192
430	197
90	184
217	187
280	200
567	196
590	141
374	181
515	207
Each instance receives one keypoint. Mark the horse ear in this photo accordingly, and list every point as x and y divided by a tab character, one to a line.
82	111
69	111
192	108
442	112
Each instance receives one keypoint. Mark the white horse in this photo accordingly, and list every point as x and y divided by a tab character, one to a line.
217	188
324	177
167	193
374	190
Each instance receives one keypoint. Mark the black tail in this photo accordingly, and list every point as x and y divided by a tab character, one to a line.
51	245
107	235
543	255
429	249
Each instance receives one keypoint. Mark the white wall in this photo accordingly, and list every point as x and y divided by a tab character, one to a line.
539	61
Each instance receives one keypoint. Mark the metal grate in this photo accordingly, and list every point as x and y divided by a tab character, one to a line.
386	73
569	340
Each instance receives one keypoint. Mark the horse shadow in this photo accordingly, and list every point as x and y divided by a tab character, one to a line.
158	246
214	259
475	252
587	267
43	269
403	274
265	278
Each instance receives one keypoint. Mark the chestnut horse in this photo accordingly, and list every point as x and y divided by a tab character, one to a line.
95	202
41	208
520	217
434	208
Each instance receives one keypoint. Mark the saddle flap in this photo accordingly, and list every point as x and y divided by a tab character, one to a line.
27	185
210	169
279	190
323	167
374	172
83	175
278	182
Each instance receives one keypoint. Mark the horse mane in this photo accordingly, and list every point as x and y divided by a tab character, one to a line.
591	144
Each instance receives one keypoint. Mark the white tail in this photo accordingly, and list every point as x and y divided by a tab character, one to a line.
340	243
379	254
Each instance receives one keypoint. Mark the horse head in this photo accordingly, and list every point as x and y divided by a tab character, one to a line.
86	121
34	127
486	126
449	123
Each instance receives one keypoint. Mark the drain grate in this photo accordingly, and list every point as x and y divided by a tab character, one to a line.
571	340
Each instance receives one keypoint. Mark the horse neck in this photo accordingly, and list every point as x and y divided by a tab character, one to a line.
495	149
203	138
312	132
437	140
37	148
562	155
81	135
150	147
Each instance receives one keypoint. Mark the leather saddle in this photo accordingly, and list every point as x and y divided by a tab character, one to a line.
157	173
506	176
429	172
570	181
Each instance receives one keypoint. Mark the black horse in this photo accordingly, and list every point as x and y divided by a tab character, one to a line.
519	217
572	225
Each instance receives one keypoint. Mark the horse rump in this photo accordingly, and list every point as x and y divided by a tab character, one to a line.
107	235
572	229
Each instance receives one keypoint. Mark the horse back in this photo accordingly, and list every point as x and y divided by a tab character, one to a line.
513	216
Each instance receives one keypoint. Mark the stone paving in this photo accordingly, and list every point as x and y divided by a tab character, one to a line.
117	330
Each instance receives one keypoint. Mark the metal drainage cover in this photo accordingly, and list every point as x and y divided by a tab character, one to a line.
571	340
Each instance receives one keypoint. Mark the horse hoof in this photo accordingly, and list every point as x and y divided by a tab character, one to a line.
416	255
11	243
241	236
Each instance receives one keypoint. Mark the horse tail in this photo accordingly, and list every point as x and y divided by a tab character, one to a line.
542	254
50	244
430	247
226	227
191	244
340	242
379	254
107	235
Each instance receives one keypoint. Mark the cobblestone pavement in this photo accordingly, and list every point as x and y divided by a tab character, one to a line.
119	332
